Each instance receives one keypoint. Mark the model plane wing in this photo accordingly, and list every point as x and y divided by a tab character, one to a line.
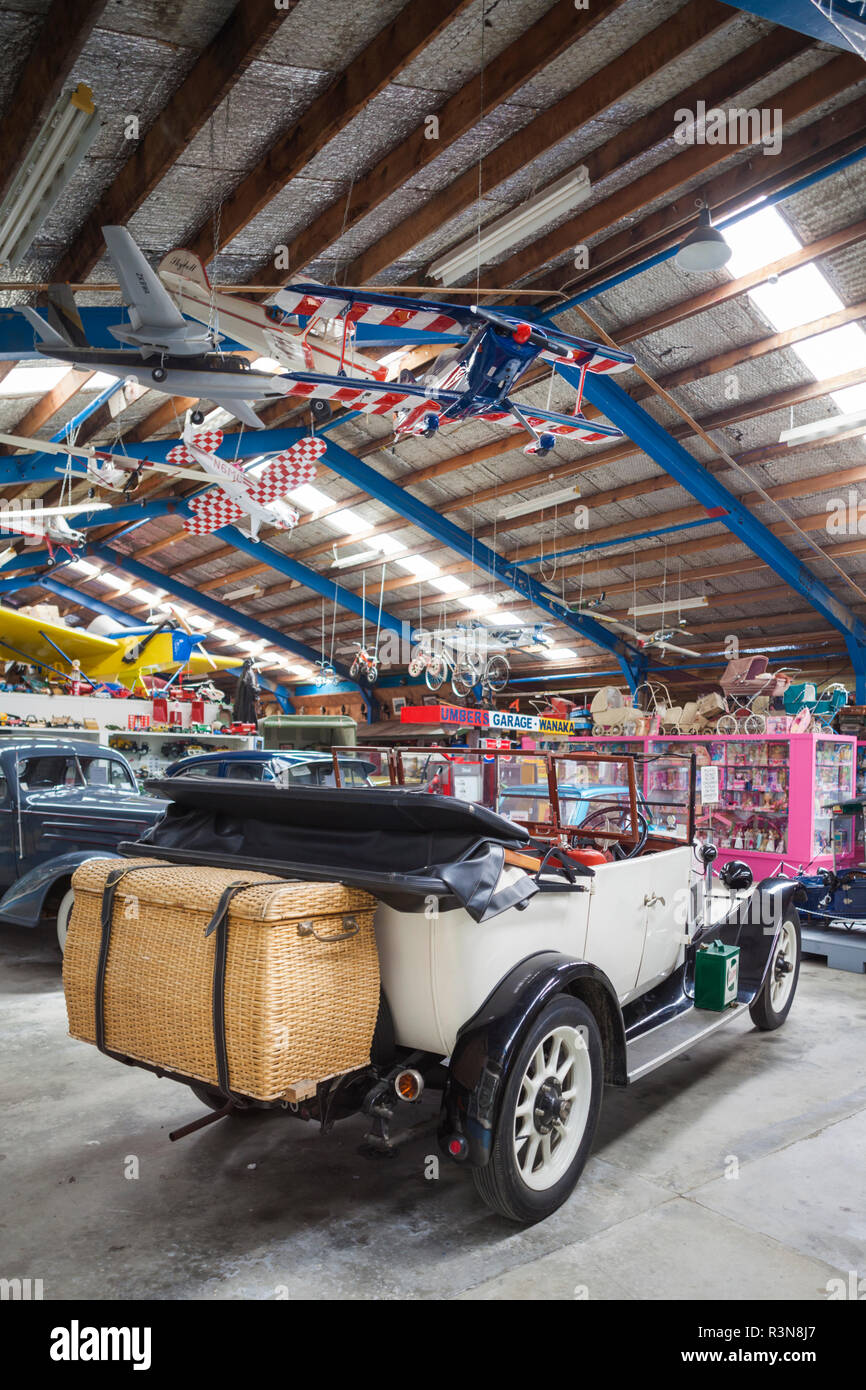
384	310
553	422
50	644
377	397
288	470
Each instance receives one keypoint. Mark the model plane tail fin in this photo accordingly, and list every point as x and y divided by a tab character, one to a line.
181	264
58	322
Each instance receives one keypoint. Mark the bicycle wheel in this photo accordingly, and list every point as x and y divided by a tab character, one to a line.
497	673
436	672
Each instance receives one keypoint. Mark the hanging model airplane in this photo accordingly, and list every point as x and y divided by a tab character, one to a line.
256	495
121	657
268	329
166	352
104	469
471	381
660	638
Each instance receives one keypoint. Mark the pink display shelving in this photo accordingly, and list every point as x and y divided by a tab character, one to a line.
775	791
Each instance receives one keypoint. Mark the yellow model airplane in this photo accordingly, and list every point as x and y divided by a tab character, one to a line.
120	657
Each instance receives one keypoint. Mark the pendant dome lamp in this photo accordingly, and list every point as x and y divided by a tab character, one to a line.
704	248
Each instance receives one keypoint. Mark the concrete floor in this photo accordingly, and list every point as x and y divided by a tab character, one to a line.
267	1208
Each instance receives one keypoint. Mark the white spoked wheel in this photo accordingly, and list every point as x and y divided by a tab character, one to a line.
772	1004
554	1102
727	724
548	1114
64	911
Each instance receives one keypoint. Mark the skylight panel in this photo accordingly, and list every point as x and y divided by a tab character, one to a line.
758	241
418	566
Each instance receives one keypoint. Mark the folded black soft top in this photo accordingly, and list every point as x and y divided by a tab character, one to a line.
402	846
387	809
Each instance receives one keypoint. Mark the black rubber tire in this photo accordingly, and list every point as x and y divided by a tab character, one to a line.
761	1010
321	410
215	1100
197	417
499	1184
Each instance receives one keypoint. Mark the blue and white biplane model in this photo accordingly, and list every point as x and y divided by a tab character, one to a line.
470	381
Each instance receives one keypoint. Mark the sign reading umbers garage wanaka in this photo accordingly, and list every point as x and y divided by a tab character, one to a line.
486	719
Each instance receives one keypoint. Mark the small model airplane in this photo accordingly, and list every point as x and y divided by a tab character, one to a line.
257	495
472	381
184	358
660	638
120	657
104	469
49	526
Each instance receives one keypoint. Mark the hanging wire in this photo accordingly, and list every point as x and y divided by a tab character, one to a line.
480	162
723	454
379	615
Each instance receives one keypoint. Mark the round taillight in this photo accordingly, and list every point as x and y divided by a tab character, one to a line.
409	1084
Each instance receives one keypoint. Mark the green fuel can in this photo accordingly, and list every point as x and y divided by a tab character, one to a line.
717	969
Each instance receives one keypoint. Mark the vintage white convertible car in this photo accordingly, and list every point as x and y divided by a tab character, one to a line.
523	966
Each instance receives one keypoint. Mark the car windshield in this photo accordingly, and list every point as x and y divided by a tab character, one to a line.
48	770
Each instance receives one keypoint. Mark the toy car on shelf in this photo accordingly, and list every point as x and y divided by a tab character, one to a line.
522	965
61	802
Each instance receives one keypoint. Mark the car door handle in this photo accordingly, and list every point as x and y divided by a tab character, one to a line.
650	900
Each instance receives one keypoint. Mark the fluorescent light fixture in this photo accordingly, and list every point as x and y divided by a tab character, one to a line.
558	653
301	670
225	634
824	429
482	604
671	606
201	623
120	586
253	647
346	561
9	554
142	595
534	504
504	619
544	207
46	170
246	591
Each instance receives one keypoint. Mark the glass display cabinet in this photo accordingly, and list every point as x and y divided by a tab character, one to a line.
775	793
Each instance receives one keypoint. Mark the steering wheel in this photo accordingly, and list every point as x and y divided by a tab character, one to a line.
617	820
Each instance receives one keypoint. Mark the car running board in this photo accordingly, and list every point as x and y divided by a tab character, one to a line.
657	1046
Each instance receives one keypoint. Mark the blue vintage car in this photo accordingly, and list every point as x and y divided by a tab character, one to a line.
286	767
61	802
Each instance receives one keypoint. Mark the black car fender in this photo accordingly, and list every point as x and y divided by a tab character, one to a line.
489	1041
753	924
22	904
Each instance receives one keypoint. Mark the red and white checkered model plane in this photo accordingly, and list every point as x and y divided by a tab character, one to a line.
257	495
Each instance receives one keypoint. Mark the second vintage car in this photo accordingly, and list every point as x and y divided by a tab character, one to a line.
61	802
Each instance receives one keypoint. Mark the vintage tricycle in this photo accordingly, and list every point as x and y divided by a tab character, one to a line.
523	965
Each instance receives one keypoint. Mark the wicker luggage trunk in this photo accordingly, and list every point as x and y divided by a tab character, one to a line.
257	985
